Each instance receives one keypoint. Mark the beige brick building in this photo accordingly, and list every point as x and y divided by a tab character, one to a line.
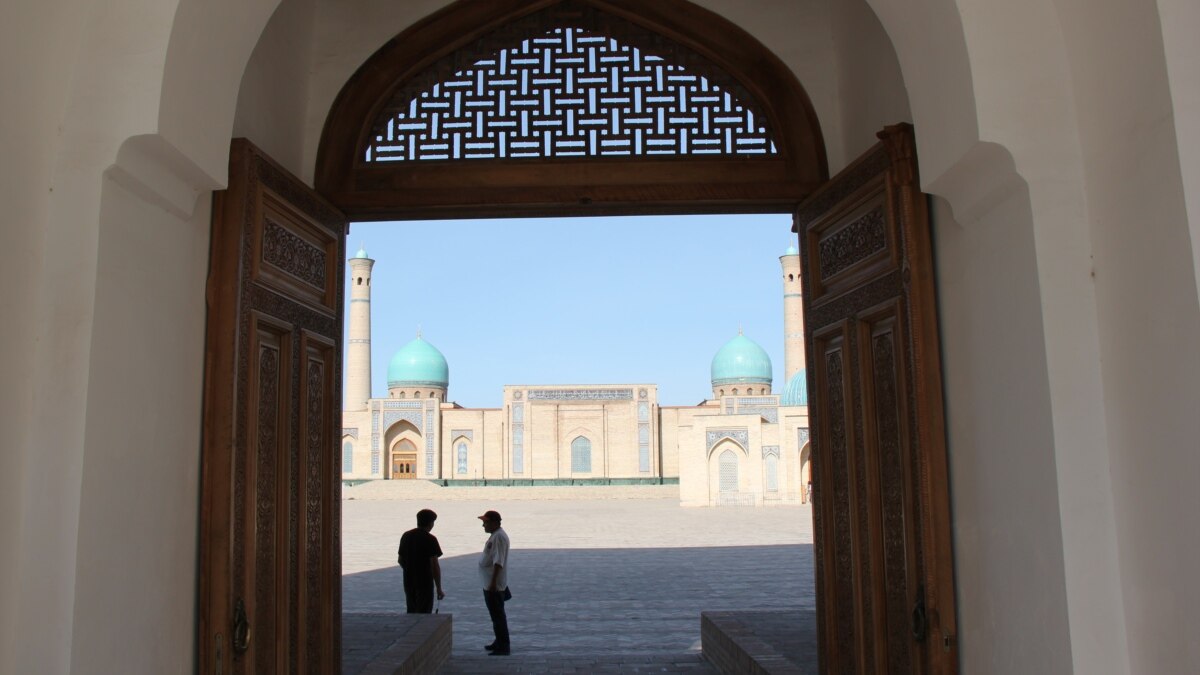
744	444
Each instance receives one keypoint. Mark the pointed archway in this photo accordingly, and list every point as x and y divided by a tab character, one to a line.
481	110
665	107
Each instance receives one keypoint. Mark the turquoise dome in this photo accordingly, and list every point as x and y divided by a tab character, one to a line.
362	253
740	361
797	390
418	363
792	251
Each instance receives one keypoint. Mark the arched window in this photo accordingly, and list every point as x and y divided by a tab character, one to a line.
474	98
728	471
581	455
417	394
735	392
433	394
360	281
402	394
462	459
772	473
347	457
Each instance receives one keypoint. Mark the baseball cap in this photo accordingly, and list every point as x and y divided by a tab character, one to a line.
490	515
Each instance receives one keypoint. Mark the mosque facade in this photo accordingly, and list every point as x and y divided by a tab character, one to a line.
744	444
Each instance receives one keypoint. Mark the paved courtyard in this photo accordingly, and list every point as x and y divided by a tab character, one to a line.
600	578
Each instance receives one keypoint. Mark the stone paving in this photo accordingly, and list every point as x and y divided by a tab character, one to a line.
599	585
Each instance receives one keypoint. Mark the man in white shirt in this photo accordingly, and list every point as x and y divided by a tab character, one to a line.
493	573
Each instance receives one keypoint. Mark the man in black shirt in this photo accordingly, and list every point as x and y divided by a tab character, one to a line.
418	556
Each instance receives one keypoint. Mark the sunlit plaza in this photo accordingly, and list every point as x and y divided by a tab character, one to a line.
606	573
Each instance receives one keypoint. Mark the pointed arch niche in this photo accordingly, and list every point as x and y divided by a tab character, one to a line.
570	107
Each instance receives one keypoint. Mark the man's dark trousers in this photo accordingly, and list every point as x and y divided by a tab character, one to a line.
418	595
495	606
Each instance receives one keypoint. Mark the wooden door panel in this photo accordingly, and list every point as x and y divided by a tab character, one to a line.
264	498
887	456
884	572
835	497
270	561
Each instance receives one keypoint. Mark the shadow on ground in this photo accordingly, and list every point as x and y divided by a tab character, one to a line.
595	601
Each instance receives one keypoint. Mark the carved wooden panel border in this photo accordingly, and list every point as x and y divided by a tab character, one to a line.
294	254
851	244
836	599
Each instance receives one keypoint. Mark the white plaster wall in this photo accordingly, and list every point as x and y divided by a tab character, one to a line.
871	93
273	96
30	33
1012	610
141	472
1179	20
1149	321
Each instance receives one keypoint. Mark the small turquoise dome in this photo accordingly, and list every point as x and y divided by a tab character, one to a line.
418	363
792	251
362	253
797	390
741	360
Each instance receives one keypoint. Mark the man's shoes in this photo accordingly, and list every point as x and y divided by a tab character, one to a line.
490	647
501	651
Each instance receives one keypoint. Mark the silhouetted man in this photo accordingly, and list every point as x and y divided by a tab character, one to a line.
418	555
493	573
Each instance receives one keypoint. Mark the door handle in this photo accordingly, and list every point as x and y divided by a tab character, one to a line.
241	628
920	622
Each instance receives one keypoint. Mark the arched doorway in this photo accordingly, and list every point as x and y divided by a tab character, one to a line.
806	473
864	238
404	460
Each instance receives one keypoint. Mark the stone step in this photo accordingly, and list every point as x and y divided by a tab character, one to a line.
426	490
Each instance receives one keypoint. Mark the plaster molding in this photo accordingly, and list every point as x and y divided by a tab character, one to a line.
160	174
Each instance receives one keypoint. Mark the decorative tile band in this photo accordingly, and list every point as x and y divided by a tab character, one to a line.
580	395
759	401
769	414
468	433
429	439
768	450
739	436
351	432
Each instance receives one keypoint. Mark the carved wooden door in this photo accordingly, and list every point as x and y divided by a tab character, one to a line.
885	578
270	577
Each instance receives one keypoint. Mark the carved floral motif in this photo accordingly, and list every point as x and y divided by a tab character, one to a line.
853	243
293	254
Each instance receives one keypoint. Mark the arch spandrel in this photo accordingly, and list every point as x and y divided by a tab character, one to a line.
419	62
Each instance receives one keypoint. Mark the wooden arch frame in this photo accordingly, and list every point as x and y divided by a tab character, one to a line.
584	186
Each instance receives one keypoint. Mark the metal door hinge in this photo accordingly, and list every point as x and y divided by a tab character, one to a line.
948	641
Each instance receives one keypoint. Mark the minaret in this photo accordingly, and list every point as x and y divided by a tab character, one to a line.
793	315
358	348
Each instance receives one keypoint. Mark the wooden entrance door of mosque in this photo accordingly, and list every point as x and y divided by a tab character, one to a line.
404	461
270	597
885	579
270	550
403	466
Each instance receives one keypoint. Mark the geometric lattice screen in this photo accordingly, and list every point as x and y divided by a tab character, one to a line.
727	472
569	93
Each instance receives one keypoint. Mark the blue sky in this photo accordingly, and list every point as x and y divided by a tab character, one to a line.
576	301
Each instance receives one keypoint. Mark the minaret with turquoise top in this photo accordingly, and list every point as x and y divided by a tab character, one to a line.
795	390
358	343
